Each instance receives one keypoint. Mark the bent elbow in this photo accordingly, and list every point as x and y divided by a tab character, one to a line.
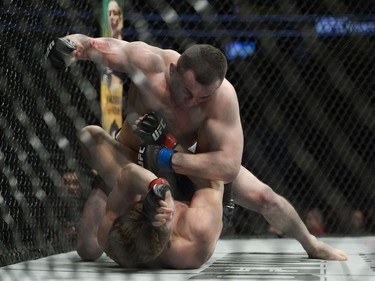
88	250
231	172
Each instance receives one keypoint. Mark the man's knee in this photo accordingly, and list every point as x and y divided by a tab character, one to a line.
266	200
90	135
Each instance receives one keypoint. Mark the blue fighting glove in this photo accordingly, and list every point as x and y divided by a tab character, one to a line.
152	129
155	158
59	53
156	192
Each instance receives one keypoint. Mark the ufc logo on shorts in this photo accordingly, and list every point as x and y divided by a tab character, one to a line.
140	155
159	130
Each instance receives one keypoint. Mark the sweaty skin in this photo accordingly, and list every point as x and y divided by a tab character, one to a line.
205	115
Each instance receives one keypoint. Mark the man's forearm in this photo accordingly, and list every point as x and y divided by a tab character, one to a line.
211	166
103	50
78	38
199	181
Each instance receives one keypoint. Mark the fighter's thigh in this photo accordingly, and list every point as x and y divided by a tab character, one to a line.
94	141
251	193
103	153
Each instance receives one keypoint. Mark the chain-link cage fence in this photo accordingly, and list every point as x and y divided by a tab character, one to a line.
303	71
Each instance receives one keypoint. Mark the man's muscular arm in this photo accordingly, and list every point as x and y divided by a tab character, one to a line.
206	205
219	158
132	182
219	146
128	57
223	164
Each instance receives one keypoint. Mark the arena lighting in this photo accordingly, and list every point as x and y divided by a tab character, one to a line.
239	49
200	6
339	26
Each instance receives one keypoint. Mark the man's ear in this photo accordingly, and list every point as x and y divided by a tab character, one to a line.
172	68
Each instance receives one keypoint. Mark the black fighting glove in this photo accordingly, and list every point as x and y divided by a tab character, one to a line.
59	53
152	129
155	158
156	192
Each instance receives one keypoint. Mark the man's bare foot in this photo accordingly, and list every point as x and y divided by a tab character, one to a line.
321	250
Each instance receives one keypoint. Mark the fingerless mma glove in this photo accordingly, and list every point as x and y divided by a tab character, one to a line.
152	129
156	192
155	158
59	53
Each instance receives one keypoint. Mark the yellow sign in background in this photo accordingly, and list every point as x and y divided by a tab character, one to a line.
111	89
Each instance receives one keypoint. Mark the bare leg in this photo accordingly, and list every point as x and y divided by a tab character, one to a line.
107	157
104	154
252	194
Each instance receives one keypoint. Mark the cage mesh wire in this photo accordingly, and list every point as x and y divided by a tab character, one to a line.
304	74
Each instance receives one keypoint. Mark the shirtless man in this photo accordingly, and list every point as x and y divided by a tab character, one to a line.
201	107
155	231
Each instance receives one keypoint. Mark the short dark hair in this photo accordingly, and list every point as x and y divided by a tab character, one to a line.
207	62
133	240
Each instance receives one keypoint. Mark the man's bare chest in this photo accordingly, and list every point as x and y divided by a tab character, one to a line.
183	126
183	123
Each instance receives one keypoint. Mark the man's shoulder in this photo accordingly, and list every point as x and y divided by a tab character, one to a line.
225	100
227	87
184	254
170	56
